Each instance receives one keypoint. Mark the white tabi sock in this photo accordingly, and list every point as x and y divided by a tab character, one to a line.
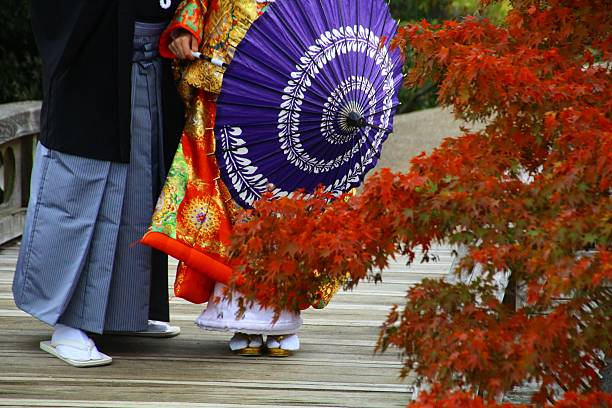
241	341
289	342
158	326
69	334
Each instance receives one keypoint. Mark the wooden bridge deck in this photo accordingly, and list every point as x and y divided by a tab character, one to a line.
335	368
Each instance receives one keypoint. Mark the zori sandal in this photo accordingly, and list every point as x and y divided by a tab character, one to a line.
282	346
247	345
155	329
51	347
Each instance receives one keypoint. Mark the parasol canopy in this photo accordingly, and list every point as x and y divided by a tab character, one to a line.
308	98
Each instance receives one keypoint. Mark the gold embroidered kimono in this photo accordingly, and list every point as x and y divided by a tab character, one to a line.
194	214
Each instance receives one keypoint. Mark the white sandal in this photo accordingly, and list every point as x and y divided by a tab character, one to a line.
51	348
156	329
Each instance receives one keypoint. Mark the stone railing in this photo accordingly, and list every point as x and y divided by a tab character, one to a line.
19	128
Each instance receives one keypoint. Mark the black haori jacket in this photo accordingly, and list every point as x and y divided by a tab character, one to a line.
86	49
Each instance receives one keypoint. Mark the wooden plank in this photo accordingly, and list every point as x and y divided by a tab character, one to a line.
10	402
336	366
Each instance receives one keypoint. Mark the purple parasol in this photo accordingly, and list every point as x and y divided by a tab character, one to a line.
309	98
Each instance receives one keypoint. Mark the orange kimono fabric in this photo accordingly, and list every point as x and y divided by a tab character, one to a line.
194	214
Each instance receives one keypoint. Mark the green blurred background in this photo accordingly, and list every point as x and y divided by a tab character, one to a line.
20	75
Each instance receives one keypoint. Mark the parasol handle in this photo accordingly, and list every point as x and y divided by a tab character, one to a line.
212	60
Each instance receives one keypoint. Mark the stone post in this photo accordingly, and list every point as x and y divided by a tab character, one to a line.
19	128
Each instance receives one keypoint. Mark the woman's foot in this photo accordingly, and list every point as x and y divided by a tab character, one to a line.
283	345
247	344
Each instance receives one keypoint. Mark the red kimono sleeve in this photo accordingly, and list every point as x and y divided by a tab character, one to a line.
189	16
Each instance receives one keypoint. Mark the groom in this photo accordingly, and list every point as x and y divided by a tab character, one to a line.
110	123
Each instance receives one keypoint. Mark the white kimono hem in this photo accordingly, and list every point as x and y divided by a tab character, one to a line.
222	317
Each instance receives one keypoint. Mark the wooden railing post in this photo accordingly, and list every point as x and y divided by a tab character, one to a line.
19	128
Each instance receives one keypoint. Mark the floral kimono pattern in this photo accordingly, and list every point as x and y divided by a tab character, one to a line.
195	212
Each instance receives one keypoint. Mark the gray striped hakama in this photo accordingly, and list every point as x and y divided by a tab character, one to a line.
80	263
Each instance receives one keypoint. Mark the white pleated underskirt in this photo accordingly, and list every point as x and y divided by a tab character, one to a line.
222	317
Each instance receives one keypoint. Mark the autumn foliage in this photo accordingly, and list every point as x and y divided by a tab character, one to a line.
529	194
